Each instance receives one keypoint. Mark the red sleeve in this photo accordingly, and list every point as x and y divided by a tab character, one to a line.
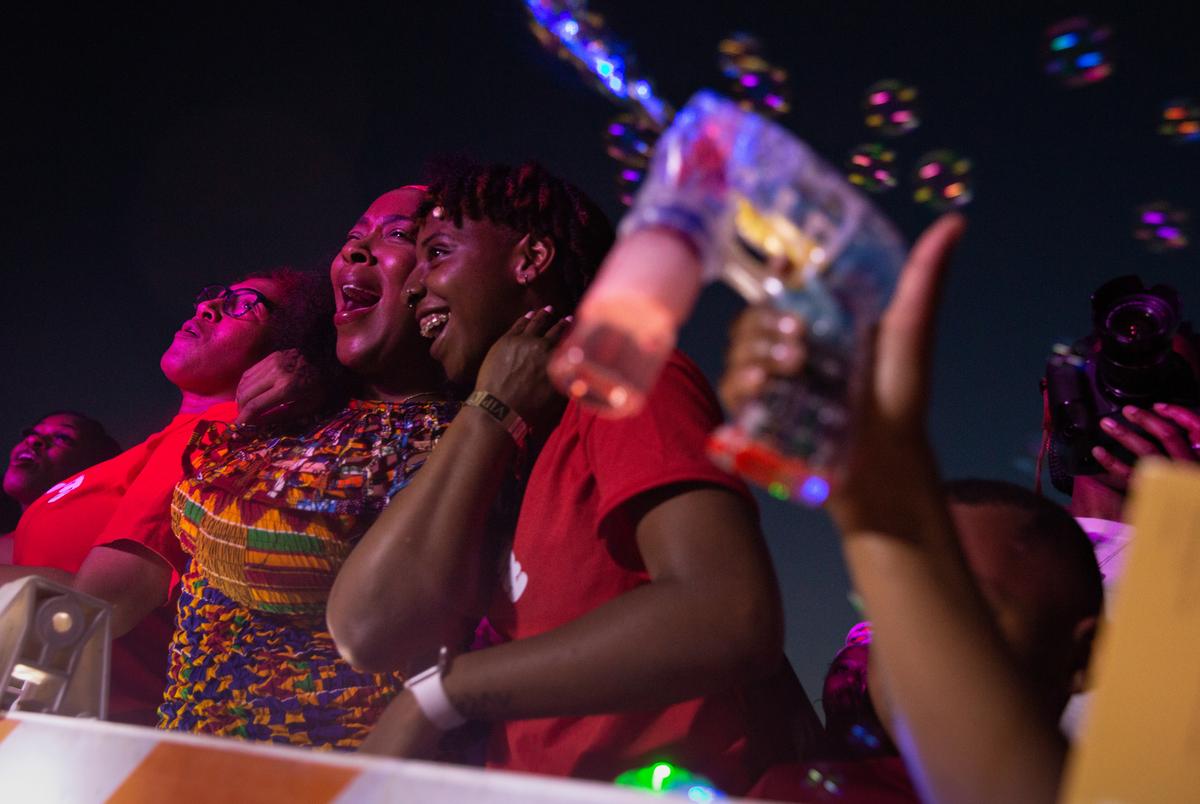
661	446
144	514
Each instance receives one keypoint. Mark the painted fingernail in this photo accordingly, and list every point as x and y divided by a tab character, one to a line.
1109	424
788	325
781	352
530	314
1130	411
548	308
570	319
1161	407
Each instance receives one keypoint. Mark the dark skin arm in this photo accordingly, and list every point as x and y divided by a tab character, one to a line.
709	619
440	522
968	722
133	579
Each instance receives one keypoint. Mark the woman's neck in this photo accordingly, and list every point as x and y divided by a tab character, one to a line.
198	403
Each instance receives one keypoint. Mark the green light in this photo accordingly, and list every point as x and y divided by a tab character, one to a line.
778	490
664	778
662	771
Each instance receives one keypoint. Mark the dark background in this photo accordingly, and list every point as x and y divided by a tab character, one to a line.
149	156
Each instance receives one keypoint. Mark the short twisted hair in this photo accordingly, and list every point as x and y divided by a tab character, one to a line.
527	199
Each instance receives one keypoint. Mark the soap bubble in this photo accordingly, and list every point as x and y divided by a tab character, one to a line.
872	167
628	181
1162	227
891	107
629	139
1181	120
943	180
758	85
1077	52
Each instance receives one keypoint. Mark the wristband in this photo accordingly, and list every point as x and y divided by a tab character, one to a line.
508	418
430	694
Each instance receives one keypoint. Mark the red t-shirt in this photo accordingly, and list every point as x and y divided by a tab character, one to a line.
881	780
575	549
124	499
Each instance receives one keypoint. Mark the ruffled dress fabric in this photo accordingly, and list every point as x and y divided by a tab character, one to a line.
268	521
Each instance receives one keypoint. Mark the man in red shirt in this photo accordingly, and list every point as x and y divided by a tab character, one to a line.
640	614
58	446
106	530
53	449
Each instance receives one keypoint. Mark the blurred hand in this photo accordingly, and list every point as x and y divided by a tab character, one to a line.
283	386
888	442
1175	431
514	370
403	731
764	343
890	467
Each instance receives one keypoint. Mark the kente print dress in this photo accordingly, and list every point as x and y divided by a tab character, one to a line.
267	523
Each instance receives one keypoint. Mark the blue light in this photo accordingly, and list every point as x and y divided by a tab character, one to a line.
641	89
604	68
570	28
618	86
1065	41
701	793
1088	60
814	491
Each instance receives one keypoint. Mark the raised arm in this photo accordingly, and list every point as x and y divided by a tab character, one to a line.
709	619
968	723
421	577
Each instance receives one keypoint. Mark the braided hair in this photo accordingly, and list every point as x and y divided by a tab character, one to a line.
527	199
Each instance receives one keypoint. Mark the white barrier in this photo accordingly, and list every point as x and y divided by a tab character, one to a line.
45	758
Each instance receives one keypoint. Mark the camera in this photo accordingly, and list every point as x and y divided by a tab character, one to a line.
1128	359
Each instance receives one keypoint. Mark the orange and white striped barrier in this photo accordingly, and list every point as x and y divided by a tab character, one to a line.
46	758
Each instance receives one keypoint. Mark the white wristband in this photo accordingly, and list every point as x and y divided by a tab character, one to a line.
430	694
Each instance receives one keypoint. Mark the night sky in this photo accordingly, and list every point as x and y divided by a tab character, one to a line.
148	157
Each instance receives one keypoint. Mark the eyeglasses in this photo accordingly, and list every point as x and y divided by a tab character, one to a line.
234	302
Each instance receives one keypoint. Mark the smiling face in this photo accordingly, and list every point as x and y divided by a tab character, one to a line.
376	330
467	280
52	450
212	349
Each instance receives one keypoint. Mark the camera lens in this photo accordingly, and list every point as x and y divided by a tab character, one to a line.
1139	327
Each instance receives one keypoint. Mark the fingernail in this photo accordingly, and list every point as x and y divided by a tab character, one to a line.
570	319
530	314
1130	411
1161	407
781	352
1099	452
548	308
1109	424
788	325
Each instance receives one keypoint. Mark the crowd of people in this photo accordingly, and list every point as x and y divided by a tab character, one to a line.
390	533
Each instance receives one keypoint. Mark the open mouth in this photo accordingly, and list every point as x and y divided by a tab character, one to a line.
356	297
356	300
24	458
432	324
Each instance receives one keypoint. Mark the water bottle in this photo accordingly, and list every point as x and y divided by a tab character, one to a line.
732	196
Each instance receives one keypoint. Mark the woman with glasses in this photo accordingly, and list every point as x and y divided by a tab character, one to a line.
269	515
106	529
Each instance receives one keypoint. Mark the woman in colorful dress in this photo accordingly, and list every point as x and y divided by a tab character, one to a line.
268	517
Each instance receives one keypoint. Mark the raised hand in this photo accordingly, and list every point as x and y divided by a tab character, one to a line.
514	370
283	386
